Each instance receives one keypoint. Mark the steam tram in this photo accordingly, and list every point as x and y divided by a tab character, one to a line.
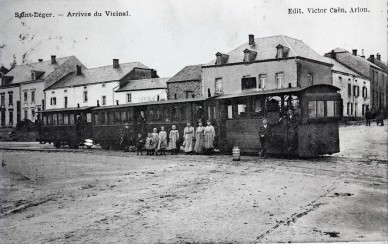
313	130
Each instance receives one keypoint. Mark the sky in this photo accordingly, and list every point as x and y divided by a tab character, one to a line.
167	35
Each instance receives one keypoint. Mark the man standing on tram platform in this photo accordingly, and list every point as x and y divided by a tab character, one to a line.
126	137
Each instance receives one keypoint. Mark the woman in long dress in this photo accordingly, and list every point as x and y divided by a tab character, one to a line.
162	141
209	137
199	138
174	137
188	134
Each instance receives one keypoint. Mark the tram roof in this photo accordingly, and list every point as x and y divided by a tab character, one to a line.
197	99
263	92
65	109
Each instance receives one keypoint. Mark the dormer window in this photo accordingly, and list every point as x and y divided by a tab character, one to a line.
33	76
282	51
249	55
221	58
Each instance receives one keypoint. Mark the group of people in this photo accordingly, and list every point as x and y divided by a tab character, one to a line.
199	140
379	117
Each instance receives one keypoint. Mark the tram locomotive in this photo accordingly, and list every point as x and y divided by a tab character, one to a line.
313	131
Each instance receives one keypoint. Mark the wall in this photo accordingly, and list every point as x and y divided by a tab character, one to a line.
7	106
378	84
232	74
180	88
142	96
321	73
75	95
29	105
359	100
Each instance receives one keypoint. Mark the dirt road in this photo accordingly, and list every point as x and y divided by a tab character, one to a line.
102	196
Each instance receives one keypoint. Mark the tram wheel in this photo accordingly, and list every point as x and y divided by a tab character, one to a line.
57	144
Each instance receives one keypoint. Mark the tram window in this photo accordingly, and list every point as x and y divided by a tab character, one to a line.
330	108
174	114
182	113
65	119
151	116
337	108
49	119
54	119
320	109
88	117
241	109
230	112
45	119
167	115
312	109
116	117
159	115
123	116
71	119
129	115
60	119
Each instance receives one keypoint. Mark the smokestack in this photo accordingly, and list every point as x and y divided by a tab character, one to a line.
79	70
333	55
372	58
40	60
115	63
53	60
378	56
362	53
354	52
251	40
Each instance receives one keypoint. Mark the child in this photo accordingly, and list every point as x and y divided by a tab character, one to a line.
139	144
149	147
162	141
174	137
155	141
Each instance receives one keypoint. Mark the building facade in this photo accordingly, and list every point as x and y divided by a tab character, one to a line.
22	88
376	75
186	83
383	78
95	87
144	90
276	62
355	90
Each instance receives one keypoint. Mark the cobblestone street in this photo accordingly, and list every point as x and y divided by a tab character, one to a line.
51	195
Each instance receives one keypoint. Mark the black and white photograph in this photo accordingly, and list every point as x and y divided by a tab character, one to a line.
192	122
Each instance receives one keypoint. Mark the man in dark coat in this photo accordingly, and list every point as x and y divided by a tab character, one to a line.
367	117
126	137
264	132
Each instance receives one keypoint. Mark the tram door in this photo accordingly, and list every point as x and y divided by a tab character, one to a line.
139	114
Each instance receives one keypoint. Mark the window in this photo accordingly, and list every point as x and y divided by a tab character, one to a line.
32	96
25	96
65	102
85	96
258	105
219	85
60	119
330	108
65	119
348	109
280	52
279	80
103	100
364	92
32	114
312	109
25	114
248	83
349	90
310	78
89	117
320	109
2	101
189	94
54	119
230	112
355	109
241	109
11	117
356	91
33	76
262	80
53	101
10	98
129	98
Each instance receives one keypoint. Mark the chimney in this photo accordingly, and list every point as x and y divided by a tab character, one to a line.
372	58
154	74
79	70
354	52
378	56
115	63
362	53
333	55
98	103
53	61
77	105
40	60
251	40
117	102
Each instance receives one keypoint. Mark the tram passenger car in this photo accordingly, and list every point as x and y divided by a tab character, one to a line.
312	131
108	121
67	126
